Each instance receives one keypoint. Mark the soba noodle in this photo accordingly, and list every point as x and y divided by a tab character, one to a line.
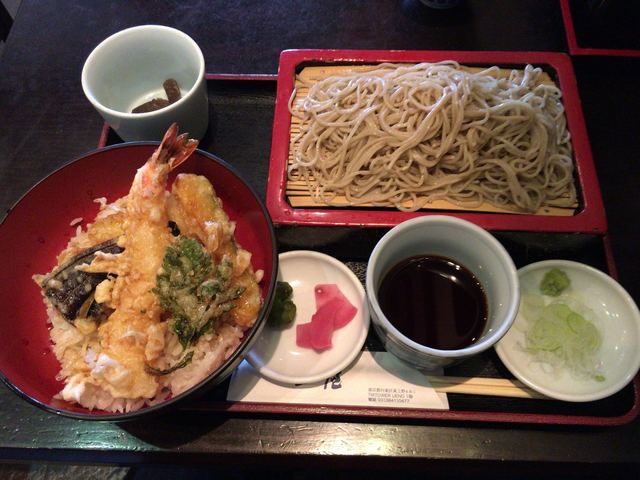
406	135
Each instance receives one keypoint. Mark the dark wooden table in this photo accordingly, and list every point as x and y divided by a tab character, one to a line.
45	121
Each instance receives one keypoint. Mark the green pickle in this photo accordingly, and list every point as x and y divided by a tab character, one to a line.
283	310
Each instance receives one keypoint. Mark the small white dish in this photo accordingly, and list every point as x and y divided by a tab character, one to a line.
275	354
616	316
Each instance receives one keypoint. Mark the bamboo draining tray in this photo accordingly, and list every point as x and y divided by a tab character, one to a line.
297	191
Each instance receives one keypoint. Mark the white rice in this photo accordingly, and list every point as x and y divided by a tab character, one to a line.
70	347
88	374
211	351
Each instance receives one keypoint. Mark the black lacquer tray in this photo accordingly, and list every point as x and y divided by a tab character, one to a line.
241	120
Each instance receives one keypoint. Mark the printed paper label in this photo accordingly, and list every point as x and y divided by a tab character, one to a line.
377	379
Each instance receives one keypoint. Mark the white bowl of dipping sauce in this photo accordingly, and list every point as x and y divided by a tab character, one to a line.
426	281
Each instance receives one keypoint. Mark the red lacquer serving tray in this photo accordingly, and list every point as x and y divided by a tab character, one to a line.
572	39
589	219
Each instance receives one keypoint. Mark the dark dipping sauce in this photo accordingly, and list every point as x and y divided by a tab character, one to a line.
434	301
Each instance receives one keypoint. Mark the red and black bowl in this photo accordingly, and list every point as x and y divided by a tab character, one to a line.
38	227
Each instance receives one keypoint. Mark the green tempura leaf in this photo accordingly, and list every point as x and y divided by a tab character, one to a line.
186	360
183	330
193	290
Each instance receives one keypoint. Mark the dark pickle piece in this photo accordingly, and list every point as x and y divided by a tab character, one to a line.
151	105
171	89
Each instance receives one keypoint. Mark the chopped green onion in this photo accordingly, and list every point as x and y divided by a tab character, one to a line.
562	338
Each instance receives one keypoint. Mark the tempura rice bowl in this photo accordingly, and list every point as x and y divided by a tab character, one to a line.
38	228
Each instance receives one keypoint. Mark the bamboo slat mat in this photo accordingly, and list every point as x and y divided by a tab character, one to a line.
296	190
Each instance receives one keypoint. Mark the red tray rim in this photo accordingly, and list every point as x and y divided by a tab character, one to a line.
591	219
576	49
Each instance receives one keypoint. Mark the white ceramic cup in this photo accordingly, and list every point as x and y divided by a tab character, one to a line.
468	245
129	68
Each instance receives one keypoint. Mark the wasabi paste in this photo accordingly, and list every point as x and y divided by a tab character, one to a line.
555	281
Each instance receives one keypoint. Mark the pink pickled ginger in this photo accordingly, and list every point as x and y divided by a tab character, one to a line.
333	311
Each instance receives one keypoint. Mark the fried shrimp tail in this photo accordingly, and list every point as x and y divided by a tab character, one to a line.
173	151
